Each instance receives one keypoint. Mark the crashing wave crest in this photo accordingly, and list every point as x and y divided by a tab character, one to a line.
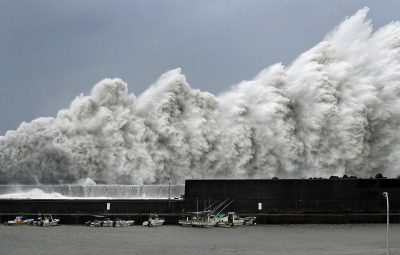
335	110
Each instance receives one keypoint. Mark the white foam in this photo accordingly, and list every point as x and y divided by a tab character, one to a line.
77	191
33	194
335	110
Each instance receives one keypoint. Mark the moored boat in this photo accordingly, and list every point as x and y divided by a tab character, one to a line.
99	221
123	223
230	220
48	221
19	221
185	222
102	221
249	221
204	219
153	221
209	217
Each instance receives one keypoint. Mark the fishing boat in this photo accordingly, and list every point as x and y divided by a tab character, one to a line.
185	222
102	223
123	223
209	217
93	223
249	221
36	222
153	221
48	221
19	221
204	219
99	221
230	220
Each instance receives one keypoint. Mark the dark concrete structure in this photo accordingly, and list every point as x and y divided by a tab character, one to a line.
344	200
294	196
336	200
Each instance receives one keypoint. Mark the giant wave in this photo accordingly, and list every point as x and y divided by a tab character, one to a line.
335	110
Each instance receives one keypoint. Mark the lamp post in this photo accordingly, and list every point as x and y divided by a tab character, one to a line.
386	195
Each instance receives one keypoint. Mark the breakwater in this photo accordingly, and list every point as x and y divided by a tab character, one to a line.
271	201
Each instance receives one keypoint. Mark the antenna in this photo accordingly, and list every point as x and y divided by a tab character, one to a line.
226	206
216	208
210	205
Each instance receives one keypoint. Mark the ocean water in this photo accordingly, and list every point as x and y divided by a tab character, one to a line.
172	240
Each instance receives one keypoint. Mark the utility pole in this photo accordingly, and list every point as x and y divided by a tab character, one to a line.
386	195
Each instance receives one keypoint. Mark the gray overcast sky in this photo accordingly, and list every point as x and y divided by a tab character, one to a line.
51	51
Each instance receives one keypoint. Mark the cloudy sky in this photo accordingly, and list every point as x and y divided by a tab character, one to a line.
52	51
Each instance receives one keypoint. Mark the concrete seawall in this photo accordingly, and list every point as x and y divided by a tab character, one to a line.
297	196
282	201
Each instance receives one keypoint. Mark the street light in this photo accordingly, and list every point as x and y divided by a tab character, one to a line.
385	194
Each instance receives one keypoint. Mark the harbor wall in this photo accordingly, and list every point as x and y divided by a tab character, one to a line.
282	201
77	211
297	196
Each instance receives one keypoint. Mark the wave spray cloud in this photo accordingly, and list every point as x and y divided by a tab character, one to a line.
335	110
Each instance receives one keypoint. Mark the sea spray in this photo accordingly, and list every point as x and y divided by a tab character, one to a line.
335	110
75	191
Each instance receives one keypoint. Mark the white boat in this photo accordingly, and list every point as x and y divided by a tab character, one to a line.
102	223
207	218
230	220
204	223
249	221
99	221
19	221
123	223
204	219
49	221
94	223
185	222
153	221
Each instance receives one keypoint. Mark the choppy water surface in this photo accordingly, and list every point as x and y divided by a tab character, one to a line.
166	240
